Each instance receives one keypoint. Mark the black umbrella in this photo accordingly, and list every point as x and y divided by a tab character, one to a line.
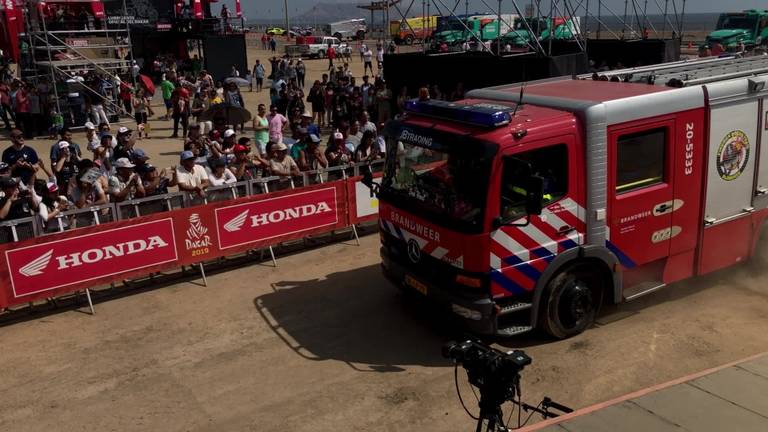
231	114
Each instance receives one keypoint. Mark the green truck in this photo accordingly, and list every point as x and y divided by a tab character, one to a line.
457	30
749	27
520	36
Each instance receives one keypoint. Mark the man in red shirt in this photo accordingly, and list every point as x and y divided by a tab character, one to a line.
331	56
181	105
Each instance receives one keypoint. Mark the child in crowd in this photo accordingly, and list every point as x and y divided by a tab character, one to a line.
57	124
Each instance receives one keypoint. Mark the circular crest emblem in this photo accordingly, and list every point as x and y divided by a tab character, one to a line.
732	155
414	251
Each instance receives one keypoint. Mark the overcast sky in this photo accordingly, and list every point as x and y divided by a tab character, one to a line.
261	9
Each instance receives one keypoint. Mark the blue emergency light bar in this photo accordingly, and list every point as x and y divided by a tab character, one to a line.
479	114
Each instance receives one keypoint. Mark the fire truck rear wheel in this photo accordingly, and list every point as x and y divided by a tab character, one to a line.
570	301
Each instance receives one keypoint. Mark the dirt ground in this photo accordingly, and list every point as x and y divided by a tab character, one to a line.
324	343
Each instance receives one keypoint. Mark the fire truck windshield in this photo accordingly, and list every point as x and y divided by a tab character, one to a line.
446	183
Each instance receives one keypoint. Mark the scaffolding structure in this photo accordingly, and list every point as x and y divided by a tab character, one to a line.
62	56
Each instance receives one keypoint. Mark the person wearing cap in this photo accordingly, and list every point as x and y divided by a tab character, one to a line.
311	158
91	137
51	206
125	143
74	149
15	204
306	122
21	158
219	174
189	176
155	183
246	167
66	167
226	147
140	158
280	163
337	152
125	184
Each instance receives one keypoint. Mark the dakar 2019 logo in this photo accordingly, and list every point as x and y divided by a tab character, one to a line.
733	155
197	239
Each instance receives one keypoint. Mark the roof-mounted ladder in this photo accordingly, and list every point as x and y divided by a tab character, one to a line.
683	73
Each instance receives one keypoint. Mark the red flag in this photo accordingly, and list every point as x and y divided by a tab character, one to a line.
198	9
238	11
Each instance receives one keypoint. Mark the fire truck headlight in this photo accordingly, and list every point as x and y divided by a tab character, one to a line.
466	312
469	281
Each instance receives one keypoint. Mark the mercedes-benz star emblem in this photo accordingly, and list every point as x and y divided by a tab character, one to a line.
414	251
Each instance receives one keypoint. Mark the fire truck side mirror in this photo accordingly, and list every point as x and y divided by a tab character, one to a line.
534	199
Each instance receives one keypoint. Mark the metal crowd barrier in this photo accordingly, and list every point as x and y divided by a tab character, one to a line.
149	205
22	229
18	229
79	218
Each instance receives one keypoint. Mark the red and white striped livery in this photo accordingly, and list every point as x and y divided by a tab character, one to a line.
522	209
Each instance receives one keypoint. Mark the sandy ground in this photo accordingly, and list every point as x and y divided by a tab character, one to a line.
324	343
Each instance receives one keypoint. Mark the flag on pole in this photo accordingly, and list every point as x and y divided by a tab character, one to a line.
198	9
238	11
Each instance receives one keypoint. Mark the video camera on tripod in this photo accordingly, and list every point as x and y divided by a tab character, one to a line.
497	375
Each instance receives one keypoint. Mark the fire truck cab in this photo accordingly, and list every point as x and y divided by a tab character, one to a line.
518	209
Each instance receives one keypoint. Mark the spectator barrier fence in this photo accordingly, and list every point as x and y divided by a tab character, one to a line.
105	244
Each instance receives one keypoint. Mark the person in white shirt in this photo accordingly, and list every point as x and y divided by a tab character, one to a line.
363	49
189	176
379	58
367	60
219	174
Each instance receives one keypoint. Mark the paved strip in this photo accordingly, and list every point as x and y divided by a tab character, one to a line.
733	396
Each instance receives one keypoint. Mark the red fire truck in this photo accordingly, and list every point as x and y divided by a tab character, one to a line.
523	208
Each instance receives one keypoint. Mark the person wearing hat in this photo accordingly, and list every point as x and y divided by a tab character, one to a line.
189	176
244	166
51	206
311	158
280	163
87	189
225	148
125	143
21	158
337	152
155	183
91	137
66	167
220	175
15	204
306	122
125	184
140	158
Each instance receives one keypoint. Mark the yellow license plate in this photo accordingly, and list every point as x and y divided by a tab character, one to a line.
418	286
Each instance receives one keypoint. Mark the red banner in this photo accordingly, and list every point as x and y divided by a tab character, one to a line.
238	11
197	8
276	217
61	263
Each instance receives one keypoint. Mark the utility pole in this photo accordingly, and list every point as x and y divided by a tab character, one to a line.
287	22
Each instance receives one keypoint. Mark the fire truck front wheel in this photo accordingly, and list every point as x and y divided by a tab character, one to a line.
570	301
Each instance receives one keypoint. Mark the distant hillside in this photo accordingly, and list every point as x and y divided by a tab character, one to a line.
323	13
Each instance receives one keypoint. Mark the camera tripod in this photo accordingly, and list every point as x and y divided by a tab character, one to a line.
490	409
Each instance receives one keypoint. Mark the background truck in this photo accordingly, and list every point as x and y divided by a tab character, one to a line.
411	30
347	29
456	30
317	47
749	27
564	29
522	209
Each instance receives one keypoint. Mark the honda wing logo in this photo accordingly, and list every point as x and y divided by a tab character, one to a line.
37	266
236	223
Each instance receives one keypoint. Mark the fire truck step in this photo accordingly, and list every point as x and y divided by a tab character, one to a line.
513	307
642	289
513	330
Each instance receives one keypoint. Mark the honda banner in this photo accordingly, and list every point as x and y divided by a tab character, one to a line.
275	217
90	257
